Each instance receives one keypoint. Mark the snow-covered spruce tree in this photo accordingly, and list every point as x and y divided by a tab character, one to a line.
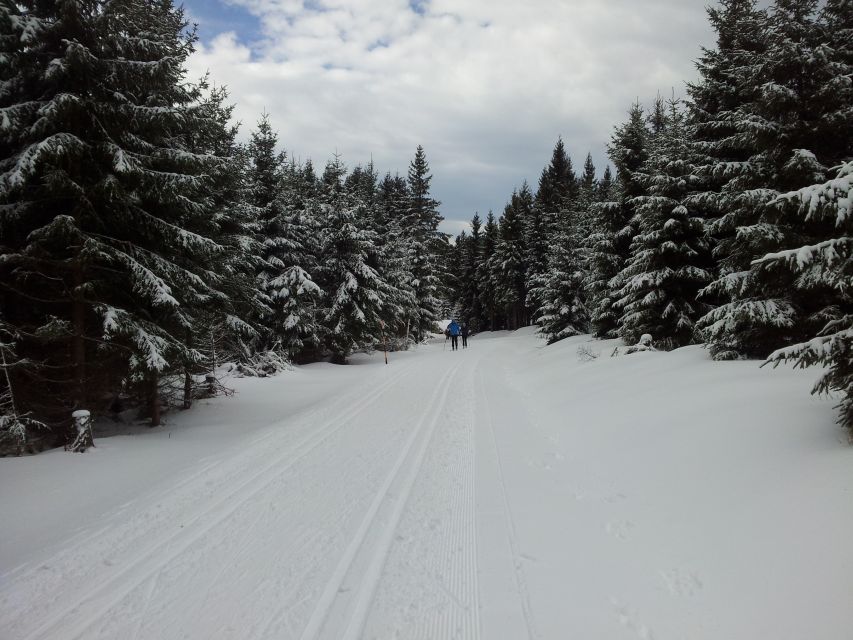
601	263
510	268
610	247
296	295
454	267
424	241
564	310
363	188
393	198
218	330
793	127
264	184
721	152
829	264
604	187
589	191
485	274
280	193
669	254
469	303
557	185
107	232
354	291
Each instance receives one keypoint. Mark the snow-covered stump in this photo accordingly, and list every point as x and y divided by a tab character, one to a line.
83	428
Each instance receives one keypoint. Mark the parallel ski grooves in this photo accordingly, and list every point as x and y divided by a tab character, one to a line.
107	594
321	614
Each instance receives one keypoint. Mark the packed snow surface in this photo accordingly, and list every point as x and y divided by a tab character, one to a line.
506	491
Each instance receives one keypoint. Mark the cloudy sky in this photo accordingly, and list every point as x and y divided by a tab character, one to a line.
486	86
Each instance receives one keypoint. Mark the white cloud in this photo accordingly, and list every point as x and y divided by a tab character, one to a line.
485	85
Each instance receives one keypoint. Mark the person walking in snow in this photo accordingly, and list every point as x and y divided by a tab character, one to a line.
453	330
464	332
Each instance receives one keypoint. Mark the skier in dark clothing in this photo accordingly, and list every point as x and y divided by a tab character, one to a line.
453	329
465	331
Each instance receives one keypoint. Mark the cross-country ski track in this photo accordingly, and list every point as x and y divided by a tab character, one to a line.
504	491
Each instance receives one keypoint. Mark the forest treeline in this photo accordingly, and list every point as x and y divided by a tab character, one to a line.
141	243
727	221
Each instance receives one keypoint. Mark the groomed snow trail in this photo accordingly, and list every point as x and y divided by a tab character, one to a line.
309	532
507	491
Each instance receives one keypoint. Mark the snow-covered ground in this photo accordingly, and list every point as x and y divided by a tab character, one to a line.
505	491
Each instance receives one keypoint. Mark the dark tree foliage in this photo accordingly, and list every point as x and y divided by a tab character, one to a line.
110	242
795	127
666	268
424	241
612	221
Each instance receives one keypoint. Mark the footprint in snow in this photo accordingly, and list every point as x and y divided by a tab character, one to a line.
620	530
629	619
682	582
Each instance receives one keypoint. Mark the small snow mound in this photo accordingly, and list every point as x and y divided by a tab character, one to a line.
643	344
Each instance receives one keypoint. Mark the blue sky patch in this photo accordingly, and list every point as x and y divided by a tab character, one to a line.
418	6
216	16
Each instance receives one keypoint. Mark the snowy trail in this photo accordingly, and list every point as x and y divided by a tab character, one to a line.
497	492
300	526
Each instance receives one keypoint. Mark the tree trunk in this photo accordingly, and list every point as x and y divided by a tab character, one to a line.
78	345
188	389
155	400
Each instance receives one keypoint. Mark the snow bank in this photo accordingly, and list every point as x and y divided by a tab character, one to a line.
683	497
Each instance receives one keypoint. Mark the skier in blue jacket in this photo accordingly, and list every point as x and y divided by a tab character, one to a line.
453	329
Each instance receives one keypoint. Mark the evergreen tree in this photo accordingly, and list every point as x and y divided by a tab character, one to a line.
263	190
421	226
827	264
657	120
604	189
221	321
792	127
611	245
564	310
509	268
394	251
669	253
107	210
281	197
485	274
470	304
558	186
819	271
354	291
297	296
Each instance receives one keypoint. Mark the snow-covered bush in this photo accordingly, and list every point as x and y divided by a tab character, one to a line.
643	344
263	364
586	353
